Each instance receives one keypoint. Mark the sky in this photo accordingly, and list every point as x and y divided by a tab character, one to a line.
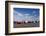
26	14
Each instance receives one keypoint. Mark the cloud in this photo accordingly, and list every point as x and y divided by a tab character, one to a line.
23	17
17	13
34	12
35	15
20	14
26	14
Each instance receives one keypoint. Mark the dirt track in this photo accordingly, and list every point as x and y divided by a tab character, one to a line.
26	25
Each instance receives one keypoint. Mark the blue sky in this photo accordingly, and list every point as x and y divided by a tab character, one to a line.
28	14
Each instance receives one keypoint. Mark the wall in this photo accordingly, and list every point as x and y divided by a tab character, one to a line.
2	18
